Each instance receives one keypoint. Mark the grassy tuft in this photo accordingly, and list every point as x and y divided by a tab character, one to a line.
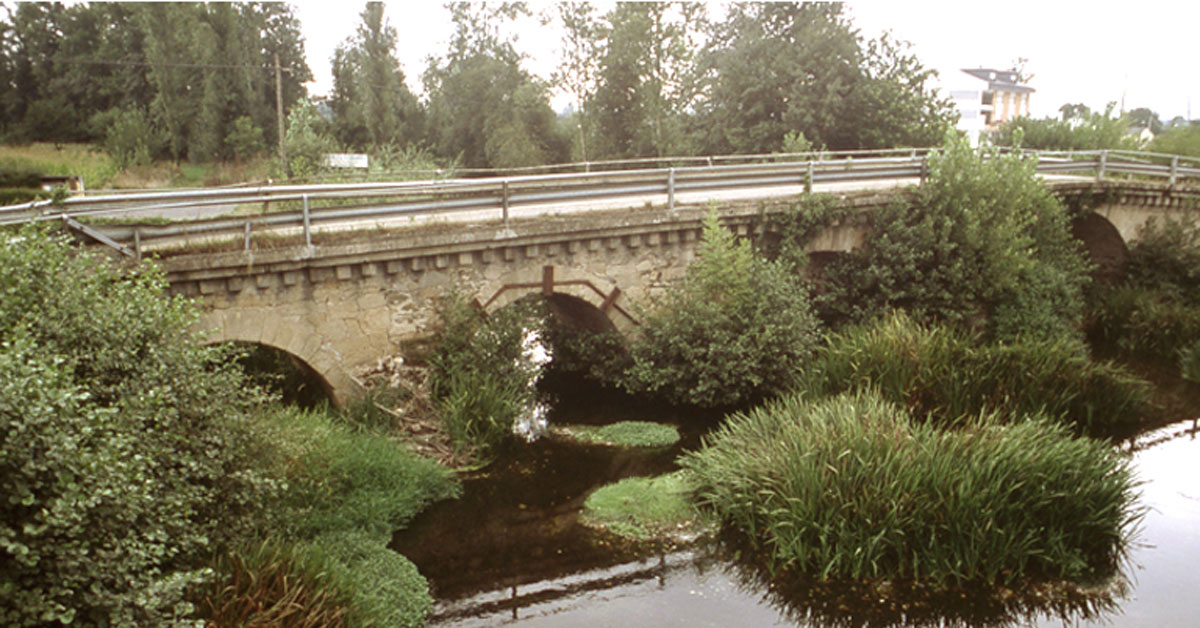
640	507
627	434
943	375
852	487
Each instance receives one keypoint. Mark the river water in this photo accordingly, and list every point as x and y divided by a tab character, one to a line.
511	552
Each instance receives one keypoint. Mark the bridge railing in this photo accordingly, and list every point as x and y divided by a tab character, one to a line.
308	208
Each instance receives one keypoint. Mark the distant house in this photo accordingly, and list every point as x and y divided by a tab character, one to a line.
1142	134
985	106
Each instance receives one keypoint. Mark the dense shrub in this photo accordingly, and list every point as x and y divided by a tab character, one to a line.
982	245
383	588
734	330
483	369
943	375
851	487
1089	131
126	454
1184	140
1165	258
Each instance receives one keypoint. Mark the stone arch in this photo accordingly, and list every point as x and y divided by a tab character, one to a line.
569	287
1103	242
298	340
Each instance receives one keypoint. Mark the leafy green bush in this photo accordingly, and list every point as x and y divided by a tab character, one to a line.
1184	140
1189	362
1165	258
21	176
12	196
1139	321
734	330
941	374
984	246
126	453
1089	131
482	372
852	487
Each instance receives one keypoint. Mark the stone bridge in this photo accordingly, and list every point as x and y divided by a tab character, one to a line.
358	296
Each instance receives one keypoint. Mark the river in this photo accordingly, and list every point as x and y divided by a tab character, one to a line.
511	551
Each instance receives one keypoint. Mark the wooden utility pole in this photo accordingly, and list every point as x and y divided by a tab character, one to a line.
279	115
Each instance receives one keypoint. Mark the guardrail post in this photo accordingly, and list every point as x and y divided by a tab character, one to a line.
504	200
671	190
1103	165
307	223
247	236
1174	169
137	242
808	177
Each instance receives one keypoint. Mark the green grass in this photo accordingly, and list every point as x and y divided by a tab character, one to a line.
642	507
942	375
348	487
95	166
627	434
853	487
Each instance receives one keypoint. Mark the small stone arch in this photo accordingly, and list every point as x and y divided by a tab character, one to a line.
567	288
1103	243
298	340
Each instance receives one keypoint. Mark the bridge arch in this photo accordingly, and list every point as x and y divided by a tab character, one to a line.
1103	243
587	299
297	339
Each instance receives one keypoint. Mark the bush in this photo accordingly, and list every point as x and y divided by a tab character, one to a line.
734	330
1184	140
383	588
126	453
484	370
984	246
1090	131
851	487
1146	322
940	374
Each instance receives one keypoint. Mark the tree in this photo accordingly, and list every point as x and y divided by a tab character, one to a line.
647	80
1080	129
577	70
734	330
1179	140
371	103
482	106
126	453
775	68
1146	119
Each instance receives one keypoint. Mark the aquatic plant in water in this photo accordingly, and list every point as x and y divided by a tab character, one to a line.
852	487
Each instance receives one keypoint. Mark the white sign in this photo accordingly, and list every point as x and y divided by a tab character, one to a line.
345	160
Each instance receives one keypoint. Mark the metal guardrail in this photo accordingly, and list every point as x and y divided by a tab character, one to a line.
316	206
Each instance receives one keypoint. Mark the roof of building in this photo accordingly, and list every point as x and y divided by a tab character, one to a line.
1000	80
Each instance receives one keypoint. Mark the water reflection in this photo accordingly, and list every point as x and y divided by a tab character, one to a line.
587	586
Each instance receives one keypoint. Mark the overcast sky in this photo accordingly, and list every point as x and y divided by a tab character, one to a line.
1089	52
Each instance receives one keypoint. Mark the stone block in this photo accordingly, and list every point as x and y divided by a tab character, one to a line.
670	237
466	258
393	267
633	241
318	275
369	269
417	264
594	244
234	284
290	278
531	251
344	273
440	262
487	256
508	253
262	281
573	246
210	286
652	239
551	249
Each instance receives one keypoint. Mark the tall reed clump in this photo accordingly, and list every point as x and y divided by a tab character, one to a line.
268	585
852	487
482	371
943	375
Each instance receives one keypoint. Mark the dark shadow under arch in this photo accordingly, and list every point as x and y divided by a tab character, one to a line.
577	313
289	376
1103	244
